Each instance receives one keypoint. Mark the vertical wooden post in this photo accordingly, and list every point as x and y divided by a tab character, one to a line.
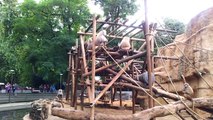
133	101
112	81
120	95
73	77
133	91
85	67
68	77
82	96
148	50
76	78
93	67
112	91
68	85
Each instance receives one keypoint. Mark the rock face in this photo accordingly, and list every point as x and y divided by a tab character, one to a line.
39	110
195	50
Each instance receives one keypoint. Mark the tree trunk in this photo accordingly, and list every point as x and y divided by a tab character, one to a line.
159	92
81	115
147	114
160	111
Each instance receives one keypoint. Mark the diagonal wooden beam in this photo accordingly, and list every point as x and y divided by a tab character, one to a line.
120	61
99	27
119	26
124	77
115	21
91	24
112	82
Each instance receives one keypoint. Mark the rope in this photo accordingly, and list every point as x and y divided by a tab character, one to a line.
211	51
186	56
163	61
192	65
140	86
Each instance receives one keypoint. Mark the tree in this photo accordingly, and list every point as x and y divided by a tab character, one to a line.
164	38
8	12
41	35
117	8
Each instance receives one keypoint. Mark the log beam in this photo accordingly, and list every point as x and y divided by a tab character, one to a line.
85	67
120	61
159	92
157	111
160	111
112	81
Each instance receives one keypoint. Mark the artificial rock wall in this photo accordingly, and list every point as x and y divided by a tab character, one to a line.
195	50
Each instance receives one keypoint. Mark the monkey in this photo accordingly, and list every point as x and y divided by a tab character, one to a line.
60	94
152	26
125	43
188	92
143	78
88	44
101	39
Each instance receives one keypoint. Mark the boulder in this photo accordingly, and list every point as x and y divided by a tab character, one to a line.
39	110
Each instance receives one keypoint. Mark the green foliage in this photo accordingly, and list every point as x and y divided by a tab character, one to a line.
164	38
37	36
117	8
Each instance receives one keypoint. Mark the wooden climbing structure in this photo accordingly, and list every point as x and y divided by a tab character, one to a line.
116	67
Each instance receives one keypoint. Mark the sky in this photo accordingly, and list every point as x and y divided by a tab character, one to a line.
182	10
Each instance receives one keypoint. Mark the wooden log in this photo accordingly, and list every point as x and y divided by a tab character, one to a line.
81	115
167	57
112	82
115	21
92	117
114	64
157	111
113	36
124	77
85	67
70	114
91	24
166	94
160	111
99	27
118	26
157	91
138	27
